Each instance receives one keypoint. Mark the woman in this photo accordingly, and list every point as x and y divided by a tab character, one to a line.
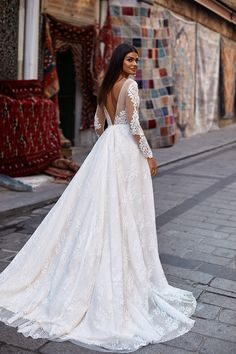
91	273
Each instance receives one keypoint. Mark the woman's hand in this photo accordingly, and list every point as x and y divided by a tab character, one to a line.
153	166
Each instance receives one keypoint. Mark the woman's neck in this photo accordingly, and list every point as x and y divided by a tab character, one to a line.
123	76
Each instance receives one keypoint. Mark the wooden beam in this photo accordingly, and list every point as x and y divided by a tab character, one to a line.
193	11
219	9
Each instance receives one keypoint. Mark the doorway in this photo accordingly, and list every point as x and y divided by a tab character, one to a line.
66	95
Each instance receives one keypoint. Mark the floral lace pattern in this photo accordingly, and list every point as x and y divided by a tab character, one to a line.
97	124
134	123
125	115
121	118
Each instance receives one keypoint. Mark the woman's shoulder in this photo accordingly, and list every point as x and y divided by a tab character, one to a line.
130	80
131	83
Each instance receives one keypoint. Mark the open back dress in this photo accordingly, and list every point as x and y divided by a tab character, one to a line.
91	272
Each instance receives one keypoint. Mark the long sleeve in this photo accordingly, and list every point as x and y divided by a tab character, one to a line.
132	105
99	121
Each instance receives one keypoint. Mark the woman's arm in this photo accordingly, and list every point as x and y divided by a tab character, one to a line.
99	121
132	105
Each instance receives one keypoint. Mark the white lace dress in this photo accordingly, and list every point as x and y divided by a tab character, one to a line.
91	272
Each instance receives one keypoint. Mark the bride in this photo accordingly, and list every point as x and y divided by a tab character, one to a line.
91	272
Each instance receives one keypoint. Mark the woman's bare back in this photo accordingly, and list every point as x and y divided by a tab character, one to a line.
112	99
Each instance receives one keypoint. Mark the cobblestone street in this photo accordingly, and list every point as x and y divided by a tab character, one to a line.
196	222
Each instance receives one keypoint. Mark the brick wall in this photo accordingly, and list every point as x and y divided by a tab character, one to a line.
8	39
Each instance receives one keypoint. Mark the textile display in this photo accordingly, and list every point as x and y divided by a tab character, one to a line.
20	89
105	36
63	170
50	77
228	78
13	185
29	136
183	44
207	79
81	41
147	28
35	181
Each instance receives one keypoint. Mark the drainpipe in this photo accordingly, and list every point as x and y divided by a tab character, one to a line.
31	39
21	29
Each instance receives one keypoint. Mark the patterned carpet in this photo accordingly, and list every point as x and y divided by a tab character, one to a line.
207	79
183	44
147	28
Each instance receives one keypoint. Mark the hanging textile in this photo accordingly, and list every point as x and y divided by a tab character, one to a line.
228	78
81	41
29	136
50	77
207	79
183	45
106	36
147	28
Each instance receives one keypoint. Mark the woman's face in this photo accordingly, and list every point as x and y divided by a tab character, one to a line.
130	64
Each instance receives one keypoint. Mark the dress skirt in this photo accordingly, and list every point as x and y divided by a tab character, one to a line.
91	272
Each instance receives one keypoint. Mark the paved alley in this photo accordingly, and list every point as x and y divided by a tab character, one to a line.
196	223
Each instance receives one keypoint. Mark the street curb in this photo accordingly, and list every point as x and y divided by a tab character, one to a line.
196	154
24	209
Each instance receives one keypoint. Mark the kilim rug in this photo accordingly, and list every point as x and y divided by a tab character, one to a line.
207	79
183	44
50	77
228	78
147	28
82	43
29	136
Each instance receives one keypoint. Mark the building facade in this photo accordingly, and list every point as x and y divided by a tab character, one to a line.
172	88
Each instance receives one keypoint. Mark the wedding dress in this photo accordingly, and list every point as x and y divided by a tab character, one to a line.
91	272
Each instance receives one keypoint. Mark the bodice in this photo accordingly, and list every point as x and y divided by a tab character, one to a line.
126	114
120	118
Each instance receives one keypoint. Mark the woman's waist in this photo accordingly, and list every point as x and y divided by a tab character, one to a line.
119	128
123	125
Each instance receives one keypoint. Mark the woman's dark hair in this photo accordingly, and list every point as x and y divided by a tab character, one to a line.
114	70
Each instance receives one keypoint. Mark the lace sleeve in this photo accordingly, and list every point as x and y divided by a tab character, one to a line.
99	121
132	105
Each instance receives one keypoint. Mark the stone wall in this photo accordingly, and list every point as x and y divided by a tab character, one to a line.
9	10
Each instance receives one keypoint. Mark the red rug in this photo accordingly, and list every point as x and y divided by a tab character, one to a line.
29	137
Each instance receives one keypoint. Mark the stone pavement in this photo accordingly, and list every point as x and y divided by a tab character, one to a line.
195	202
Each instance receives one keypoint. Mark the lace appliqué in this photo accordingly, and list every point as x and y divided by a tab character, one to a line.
134	123
121	118
97	124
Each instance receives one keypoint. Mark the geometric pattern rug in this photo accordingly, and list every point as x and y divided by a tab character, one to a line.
207	80
147	28
29	135
228	78
183	44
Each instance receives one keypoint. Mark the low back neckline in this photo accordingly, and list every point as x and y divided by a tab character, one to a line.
106	111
